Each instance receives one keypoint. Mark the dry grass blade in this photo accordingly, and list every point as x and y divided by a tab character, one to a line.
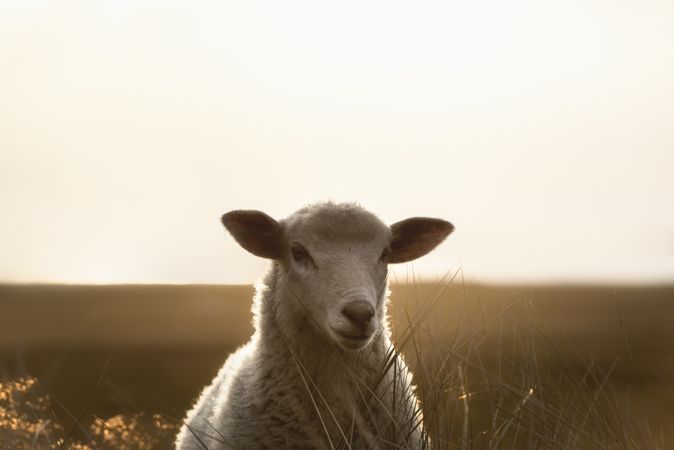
311	396
104	371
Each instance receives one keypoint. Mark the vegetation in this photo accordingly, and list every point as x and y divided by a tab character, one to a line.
495	369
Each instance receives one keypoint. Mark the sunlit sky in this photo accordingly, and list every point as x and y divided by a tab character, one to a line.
543	130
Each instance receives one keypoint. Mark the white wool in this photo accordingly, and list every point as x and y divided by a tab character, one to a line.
318	371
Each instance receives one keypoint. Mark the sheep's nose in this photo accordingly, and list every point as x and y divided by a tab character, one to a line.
359	312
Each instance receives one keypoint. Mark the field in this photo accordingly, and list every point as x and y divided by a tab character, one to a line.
497	366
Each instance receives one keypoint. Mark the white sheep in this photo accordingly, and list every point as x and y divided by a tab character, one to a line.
320	370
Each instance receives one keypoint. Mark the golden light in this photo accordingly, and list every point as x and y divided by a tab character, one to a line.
542	130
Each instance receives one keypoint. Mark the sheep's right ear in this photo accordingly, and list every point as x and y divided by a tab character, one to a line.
256	232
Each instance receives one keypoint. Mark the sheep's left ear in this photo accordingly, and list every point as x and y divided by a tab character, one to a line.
414	237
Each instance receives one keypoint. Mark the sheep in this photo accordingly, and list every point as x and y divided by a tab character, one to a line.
320	370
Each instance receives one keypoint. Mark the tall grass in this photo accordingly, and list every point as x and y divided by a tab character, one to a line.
496	380
486	378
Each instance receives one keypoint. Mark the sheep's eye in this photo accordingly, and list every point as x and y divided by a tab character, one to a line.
385	254
301	255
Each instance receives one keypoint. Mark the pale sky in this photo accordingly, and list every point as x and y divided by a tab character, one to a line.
543	130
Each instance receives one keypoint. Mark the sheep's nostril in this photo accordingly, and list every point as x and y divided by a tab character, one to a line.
359	312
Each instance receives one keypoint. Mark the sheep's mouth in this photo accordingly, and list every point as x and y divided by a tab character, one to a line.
354	339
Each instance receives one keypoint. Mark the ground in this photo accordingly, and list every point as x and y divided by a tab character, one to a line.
103	356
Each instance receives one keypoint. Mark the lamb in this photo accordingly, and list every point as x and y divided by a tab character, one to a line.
320	370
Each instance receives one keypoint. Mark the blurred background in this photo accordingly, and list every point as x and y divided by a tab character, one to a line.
542	130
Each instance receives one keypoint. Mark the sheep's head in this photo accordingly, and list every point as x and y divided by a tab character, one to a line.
334	259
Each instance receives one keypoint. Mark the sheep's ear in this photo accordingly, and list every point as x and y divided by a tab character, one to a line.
256	232
414	237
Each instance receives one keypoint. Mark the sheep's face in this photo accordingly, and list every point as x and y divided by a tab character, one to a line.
336	272
334	261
